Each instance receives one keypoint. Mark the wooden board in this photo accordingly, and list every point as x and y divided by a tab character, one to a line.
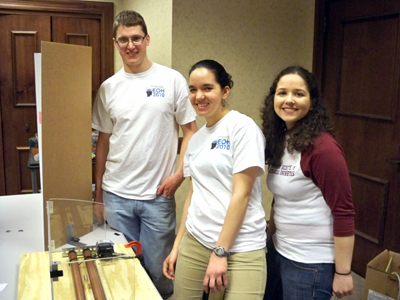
120	278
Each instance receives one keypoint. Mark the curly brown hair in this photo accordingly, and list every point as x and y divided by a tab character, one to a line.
303	134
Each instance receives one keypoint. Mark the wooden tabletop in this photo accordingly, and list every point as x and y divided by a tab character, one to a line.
120	278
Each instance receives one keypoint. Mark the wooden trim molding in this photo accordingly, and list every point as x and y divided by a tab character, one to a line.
30	38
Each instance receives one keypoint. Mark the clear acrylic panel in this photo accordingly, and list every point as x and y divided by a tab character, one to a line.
88	259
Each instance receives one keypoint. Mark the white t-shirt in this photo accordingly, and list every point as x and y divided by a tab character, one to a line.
143	113
302	218
313	201
213	155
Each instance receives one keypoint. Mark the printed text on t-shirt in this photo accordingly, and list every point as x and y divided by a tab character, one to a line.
221	143
284	170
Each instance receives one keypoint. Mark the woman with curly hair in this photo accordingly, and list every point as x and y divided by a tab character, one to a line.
312	217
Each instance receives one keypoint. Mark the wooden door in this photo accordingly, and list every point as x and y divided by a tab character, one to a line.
357	61
21	37
23	25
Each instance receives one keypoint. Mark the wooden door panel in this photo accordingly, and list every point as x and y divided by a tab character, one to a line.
21	36
368	67
359	75
371	216
85	32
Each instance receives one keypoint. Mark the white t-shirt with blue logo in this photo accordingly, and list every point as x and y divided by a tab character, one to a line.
213	155
142	112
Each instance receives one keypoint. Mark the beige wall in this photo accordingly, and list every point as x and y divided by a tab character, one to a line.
253	39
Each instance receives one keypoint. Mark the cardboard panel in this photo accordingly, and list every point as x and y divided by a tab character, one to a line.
66	122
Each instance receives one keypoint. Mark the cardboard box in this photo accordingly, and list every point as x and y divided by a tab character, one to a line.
379	277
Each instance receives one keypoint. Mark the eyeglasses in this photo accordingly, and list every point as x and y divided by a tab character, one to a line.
136	40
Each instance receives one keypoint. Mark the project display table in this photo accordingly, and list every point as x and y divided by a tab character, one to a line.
100	267
121	278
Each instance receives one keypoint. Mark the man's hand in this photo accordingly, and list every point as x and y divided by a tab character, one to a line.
98	208
170	185
216	274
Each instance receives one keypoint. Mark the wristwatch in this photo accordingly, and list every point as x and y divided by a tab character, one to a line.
220	251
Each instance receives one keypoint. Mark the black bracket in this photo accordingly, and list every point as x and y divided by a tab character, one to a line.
55	273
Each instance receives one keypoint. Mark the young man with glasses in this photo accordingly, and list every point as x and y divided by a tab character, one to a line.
138	112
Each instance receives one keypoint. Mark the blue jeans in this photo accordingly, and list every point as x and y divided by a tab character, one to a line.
152	223
273	289
305	281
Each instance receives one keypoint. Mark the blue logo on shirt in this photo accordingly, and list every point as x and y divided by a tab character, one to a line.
158	92
221	143
155	91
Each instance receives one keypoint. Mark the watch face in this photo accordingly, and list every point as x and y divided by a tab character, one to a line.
220	251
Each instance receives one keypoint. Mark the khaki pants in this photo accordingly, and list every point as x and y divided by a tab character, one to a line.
247	273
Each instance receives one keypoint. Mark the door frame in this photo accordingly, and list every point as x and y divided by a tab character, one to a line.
102	11
319	40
